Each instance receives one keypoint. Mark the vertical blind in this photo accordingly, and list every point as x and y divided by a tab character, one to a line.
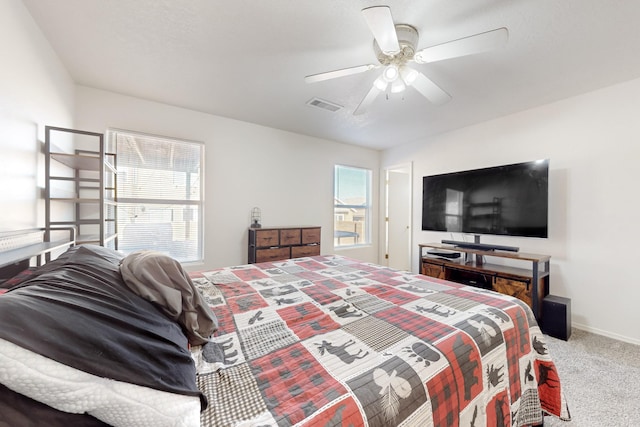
160	195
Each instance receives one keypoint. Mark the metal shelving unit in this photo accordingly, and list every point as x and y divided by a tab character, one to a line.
80	186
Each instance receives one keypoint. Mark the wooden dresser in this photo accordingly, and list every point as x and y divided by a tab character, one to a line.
278	243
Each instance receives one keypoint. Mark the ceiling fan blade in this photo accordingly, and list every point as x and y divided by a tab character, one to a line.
338	73
378	86
430	90
381	25
465	46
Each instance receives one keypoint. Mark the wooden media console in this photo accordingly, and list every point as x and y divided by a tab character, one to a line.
530	284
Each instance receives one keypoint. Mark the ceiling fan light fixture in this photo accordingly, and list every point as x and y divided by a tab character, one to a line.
391	73
381	84
408	75
398	86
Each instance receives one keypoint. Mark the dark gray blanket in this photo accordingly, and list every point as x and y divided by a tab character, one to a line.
77	310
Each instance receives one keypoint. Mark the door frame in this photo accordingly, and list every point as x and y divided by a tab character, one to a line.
384	229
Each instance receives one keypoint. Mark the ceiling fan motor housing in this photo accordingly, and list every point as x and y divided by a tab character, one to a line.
407	39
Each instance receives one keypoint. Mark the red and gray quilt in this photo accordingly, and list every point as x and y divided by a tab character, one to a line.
332	341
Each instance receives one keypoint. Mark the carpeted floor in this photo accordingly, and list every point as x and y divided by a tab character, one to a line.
601	380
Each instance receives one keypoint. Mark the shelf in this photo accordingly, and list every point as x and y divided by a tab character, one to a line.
38	249
473	266
95	239
75	222
75	199
502	254
77	161
29	244
87	238
74	178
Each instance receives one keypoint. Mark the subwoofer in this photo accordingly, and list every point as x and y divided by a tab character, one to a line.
556	317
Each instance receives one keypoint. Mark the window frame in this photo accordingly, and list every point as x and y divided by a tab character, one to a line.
367	206
199	203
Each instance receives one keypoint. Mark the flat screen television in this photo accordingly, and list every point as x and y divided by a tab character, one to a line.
509	200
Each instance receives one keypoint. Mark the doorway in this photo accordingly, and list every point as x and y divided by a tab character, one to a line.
398	202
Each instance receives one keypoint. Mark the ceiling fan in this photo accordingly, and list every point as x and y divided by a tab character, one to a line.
395	47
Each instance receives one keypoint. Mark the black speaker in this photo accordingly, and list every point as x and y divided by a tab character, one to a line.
556	317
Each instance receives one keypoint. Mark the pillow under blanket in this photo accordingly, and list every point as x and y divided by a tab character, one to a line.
161	279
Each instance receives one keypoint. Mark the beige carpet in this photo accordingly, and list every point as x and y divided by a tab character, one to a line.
601	380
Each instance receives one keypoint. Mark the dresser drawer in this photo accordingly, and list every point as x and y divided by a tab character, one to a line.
310	235
272	254
266	238
302	251
290	237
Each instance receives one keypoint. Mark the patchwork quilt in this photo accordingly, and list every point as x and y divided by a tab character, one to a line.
332	341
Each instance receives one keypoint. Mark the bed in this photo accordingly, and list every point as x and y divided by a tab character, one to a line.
319	341
79	347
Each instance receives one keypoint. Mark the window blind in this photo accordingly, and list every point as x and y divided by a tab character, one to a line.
160	195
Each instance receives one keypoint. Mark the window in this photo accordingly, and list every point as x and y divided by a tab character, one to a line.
352	206
160	195
453	210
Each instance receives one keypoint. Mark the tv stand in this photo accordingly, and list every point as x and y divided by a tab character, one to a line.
530	284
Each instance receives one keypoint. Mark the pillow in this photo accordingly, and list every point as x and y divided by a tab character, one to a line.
161	280
98	259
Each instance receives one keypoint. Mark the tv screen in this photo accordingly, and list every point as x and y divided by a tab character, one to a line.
509	200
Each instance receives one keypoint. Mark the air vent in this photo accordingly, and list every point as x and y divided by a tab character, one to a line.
325	105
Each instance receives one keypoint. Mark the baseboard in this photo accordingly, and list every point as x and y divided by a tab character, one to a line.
605	333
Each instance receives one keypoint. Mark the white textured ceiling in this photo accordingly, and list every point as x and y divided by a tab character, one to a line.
246	59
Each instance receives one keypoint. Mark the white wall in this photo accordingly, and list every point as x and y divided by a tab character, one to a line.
35	91
289	176
593	142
